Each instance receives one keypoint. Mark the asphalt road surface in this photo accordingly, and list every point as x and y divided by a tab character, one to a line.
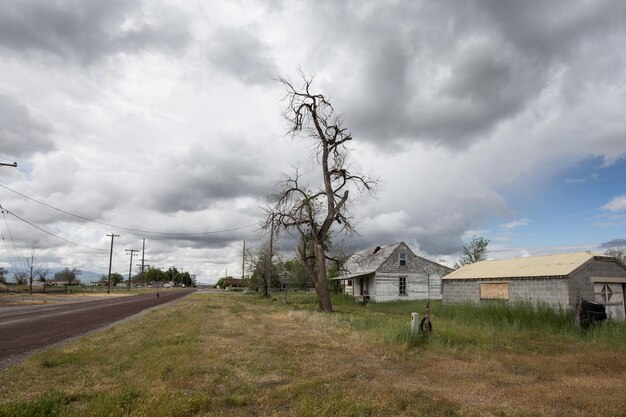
25	330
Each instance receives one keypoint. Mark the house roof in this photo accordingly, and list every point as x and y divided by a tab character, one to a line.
534	266
369	260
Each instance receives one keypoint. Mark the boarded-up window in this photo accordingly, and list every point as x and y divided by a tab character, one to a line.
494	291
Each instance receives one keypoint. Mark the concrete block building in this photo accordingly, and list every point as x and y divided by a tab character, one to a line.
554	280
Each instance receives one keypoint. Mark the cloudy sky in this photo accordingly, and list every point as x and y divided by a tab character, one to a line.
502	119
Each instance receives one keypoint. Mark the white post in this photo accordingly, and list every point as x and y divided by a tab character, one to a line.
415	323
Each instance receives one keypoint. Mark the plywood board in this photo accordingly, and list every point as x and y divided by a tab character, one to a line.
494	291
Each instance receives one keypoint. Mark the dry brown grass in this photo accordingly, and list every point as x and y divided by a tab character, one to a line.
241	356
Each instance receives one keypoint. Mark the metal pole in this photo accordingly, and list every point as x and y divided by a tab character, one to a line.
130	269
143	253
269	266
243	261
111	262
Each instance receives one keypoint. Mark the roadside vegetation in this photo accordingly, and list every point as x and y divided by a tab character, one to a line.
241	354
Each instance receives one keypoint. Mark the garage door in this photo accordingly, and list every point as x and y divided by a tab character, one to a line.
611	294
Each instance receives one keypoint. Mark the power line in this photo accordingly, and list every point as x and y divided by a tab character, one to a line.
4	209
127	228
11	261
19	261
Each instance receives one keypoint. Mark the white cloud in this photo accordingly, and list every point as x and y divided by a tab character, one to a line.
162	118
616	204
514	224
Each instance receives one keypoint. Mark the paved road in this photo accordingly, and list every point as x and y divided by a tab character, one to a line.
27	329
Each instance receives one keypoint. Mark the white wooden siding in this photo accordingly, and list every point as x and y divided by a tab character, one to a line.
386	287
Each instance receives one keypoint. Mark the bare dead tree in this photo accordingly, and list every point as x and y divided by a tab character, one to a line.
314	211
618	252
30	260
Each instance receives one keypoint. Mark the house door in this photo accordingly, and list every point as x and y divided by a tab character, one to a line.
611	295
364	286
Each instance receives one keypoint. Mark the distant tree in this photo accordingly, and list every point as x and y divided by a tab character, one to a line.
618	252
173	275
294	267
21	278
3	273
185	279
264	276
42	275
475	251
154	275
116	278
68	275
32	270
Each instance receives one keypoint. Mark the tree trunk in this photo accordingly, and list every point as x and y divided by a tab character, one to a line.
321	286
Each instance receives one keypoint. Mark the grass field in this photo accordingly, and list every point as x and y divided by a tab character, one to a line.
240	355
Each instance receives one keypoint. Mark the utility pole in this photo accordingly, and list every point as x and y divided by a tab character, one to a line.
243	261
269	265
173	269
143	253
130	269
14	164
143	266
111	262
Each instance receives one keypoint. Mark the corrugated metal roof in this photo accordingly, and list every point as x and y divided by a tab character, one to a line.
533	266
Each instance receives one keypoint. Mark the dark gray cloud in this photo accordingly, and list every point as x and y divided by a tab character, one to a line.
238	52
555	29
21	133
451	73
87	30
613	243
202	177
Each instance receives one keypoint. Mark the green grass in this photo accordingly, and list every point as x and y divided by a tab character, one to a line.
493	326
240	355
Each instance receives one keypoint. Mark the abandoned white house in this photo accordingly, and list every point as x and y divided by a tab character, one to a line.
554	280
391	272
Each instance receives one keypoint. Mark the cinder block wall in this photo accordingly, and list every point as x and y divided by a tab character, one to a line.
551	291
580	281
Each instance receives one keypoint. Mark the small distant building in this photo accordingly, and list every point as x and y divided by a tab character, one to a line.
554	280
392	272
235	283
287	281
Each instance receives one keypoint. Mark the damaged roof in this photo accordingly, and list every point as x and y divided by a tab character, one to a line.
369	260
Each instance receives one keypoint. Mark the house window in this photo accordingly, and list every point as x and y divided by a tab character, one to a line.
349	283
402	285
402	259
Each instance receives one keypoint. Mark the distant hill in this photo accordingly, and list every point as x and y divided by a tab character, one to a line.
85	276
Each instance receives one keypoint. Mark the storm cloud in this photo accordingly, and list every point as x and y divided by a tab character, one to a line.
163	119
21	133
86	31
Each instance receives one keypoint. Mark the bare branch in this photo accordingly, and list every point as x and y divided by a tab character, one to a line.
314	213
